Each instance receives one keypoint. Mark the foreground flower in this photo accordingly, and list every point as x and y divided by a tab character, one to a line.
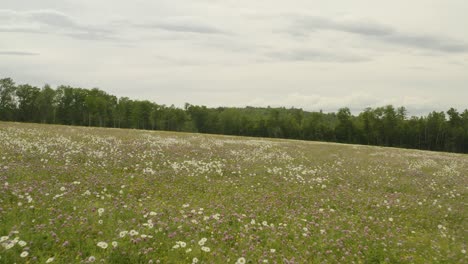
100	211
103	245
49	260
8	245
24	254
241	260
22	243
202	241
206	249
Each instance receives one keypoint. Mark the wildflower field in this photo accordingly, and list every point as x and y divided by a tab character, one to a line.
82	195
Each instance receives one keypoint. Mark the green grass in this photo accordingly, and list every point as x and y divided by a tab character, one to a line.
267	200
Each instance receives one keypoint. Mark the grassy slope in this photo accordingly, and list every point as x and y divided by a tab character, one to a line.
280	201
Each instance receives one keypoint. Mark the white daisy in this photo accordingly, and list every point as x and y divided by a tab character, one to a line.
206	249
240	260
102	244
202	241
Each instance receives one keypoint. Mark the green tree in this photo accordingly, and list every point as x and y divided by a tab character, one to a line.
46	105
345	127
7	99
27	103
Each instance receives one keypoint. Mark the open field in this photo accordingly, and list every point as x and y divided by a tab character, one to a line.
78	195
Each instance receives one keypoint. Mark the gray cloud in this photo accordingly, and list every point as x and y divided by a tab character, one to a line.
315	55
183	27
55	22
357	27
50	22
427	42
380	32
53	18
18	53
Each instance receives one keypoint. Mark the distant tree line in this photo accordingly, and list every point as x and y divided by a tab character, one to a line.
381	126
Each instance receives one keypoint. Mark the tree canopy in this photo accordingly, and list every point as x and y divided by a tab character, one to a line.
381	126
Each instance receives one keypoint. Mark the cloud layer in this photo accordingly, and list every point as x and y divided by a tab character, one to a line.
50	22
380	32
18	53
321	54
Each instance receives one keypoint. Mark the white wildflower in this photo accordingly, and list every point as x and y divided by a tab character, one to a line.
103	245
100	211
206	249
240	260
8	245
202	241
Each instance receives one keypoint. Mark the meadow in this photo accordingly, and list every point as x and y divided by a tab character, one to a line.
83	195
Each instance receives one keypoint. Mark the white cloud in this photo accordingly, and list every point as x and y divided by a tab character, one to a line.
357	102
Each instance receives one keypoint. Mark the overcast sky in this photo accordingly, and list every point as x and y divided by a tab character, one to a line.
312	54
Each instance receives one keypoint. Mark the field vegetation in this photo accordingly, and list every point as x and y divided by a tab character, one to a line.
104	195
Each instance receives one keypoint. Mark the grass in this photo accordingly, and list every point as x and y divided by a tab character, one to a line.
252	199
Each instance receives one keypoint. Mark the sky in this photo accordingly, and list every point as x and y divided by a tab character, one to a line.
310	54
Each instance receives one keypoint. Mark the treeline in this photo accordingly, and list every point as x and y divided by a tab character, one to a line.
381	126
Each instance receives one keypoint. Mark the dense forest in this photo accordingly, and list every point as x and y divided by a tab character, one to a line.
381	126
